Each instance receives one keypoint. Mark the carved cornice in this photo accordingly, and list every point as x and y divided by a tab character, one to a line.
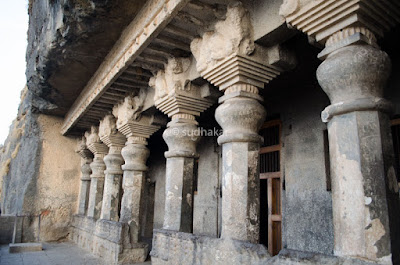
175	93
322	18
109	134
147	24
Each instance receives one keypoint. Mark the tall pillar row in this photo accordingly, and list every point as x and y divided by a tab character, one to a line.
86	159
181	100
113	174
137	129
97	177
353	74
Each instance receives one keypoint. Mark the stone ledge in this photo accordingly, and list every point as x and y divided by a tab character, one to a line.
84	223
170	247
107	239
110	230
25	247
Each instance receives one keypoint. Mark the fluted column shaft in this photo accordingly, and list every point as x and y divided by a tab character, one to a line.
354	77
135	154
181	139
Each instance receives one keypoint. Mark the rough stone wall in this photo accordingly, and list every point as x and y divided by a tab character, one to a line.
58	181
20	158
40	173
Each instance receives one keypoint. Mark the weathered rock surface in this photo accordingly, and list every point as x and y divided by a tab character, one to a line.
38	179
67	41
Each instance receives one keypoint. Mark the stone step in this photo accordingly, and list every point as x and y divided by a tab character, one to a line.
25	247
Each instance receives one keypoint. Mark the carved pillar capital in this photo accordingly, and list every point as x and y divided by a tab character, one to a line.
228	56
137	128
175	94
109	134
354	78
86	157
83	150
94	144
132	123
337	24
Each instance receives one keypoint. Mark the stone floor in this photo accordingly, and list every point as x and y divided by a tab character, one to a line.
65	253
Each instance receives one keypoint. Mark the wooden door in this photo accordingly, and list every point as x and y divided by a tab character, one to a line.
271	186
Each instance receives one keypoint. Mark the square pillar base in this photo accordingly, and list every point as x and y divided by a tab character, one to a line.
106	239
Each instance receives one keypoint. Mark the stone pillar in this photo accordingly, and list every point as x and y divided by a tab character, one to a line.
86	159
239	70
113	174
240	116
353	76
137	128
177	97
97	177
181	140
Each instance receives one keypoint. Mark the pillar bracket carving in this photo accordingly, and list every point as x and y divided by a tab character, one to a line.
175	94
132	123
228	56
137	128
109	134
94	144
